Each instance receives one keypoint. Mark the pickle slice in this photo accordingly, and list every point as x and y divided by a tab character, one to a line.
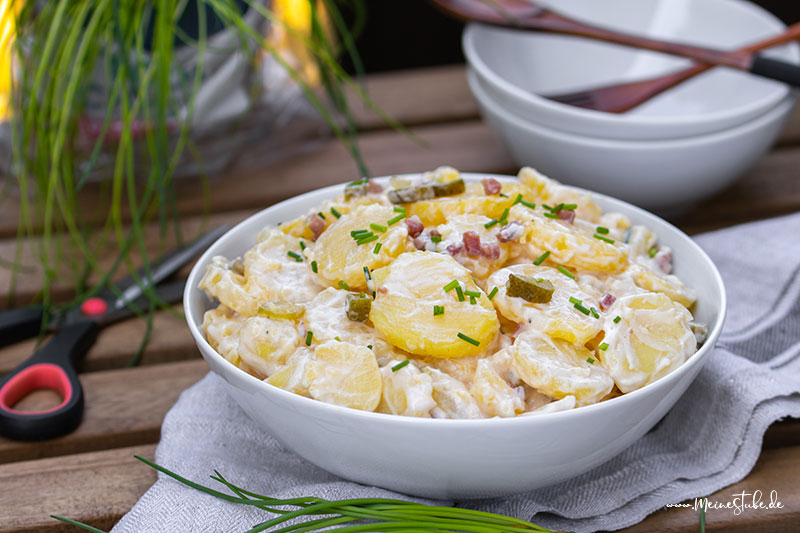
451	188
358	307
538	291
355	190
279	309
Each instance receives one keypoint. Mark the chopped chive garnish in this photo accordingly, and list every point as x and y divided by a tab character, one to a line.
460	293
308	338
491	294
468	339
594	312
321	215
302	245
356	232
396	219
476	294
590	360
517	200
547	207
399	209
314	267
369	346
502	194
400	365
652	252
603	238
294	255
367	274
367	238
565	271
557	208
529	205
541	258
574	300
604	346
377	248
450	286
582	309
343	285
490	223
335	213
617	319
550	215
378	227
472	300
337	338
568	207
504	216
438	310
601	230
436	238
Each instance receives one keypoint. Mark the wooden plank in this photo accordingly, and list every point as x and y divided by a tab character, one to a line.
96	488
776	469
123	408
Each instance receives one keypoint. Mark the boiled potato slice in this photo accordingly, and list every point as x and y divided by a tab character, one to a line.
272	275
559	369
344	374
340	258
290	376
221	326
494	395
229	287
408	290
551	192
266	343
453	399
406	392
666	284
558	318
652	339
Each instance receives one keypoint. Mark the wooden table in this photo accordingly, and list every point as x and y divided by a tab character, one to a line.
90	475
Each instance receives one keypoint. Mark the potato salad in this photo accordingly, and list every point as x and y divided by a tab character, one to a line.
436	297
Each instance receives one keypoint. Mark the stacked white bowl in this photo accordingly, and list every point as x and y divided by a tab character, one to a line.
670	152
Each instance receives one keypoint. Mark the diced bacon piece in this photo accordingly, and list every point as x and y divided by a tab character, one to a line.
415	226
454	249
491	186
606	301
490	251
435	233
511	231
316	224
373	187
472	243
567	215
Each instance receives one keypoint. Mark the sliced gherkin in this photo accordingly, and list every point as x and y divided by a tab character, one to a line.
279	309
358	307
403	196
538	291
451	188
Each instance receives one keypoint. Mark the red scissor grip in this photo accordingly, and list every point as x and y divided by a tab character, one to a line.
34	377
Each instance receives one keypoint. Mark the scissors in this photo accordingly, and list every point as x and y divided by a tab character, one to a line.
53	365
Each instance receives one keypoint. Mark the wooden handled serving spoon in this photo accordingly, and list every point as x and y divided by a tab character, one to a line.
524	15
621	97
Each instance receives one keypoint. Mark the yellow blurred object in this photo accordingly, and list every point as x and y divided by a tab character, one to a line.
296	16
8	11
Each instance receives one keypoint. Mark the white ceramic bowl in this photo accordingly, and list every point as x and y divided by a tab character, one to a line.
517	67
457	458
668	175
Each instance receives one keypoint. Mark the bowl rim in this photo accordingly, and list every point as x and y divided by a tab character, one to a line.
781	108
767	102
669	381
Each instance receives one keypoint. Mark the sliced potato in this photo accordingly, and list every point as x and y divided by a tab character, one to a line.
344	374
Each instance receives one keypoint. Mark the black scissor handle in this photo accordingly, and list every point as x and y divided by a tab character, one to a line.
19	324
51	367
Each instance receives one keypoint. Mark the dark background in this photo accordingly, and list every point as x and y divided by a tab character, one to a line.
403	34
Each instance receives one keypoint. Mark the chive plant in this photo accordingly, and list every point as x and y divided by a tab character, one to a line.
58	49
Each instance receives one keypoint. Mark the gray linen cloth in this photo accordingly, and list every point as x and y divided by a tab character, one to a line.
709	440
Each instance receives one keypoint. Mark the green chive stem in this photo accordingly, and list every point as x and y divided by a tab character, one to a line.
565	272
468	339
400	365
541	258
